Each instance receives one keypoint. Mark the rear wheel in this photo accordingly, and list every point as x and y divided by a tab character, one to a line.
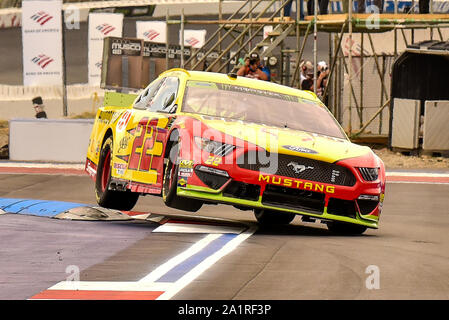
170	182
345	228
267	217
120	200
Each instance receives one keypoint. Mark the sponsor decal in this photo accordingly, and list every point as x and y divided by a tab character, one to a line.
123	144
151	34
185	168
105	116
41	17
182	182
299	149
120	168
298	168
124	119
105	28
335	174
192	41
42	60
91	169
295	183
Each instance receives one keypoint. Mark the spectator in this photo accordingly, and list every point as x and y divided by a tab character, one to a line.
322	74
424	6
362	5
39	107
254	69
306	76
322	6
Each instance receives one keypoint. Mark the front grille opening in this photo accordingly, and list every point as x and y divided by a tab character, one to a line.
213	181
369	174
367	206
339	207
241	190
291	198
297	167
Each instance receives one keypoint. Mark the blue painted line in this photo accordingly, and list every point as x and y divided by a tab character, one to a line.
181	269
43	208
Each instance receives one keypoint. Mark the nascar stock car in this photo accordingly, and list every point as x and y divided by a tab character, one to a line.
199	138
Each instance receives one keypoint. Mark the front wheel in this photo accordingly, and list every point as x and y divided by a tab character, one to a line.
345	228
169	186
120	200
270	217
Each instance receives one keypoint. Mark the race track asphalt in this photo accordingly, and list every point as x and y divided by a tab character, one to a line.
409	252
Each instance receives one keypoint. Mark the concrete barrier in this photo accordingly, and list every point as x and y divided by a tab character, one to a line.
15	101
49	140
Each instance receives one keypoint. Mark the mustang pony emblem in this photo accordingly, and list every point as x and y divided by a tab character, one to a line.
298	168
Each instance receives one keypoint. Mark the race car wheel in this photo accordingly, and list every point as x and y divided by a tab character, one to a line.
267	217
345	228
170	182
120	200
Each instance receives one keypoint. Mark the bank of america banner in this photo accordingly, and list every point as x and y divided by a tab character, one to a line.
42	42
154	31
101	25
193	38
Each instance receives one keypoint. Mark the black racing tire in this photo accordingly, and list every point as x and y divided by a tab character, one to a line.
272	217
169	185
343	228
119	200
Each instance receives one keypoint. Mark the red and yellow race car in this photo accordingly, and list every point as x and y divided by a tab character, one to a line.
204	138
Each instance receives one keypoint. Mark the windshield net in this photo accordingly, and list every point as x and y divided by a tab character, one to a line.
259	106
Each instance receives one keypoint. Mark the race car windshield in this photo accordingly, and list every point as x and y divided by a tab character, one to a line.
259	106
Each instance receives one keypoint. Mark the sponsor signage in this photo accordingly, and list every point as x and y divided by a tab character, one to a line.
42	42
154	31
101	25
193	38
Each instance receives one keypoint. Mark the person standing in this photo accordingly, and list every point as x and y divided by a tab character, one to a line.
424	6
362	5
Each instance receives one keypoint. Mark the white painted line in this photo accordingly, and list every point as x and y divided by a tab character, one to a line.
111	286
198	228
173	262
206	264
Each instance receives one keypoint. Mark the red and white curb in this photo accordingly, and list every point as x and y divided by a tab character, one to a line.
417	177
11	167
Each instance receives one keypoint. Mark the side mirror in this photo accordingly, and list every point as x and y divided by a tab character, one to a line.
169	101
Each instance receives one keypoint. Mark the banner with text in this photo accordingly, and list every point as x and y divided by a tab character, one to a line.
101	25
154	31
42	42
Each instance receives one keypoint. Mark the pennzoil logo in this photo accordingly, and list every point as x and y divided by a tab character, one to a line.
298	184
41	17
42	60
105	28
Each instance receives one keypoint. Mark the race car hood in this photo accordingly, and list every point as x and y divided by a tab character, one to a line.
289	141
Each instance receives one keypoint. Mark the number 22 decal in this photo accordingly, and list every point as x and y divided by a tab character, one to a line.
143	149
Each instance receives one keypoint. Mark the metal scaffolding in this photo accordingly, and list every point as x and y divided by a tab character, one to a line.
247	23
